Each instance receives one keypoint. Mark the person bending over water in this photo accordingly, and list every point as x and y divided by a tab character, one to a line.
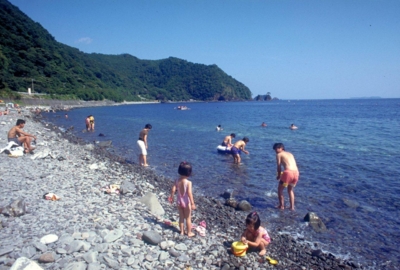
142	143
255	236
292	127
289	177
184	199
228	140
237	148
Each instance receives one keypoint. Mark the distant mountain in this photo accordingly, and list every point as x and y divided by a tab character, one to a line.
28	53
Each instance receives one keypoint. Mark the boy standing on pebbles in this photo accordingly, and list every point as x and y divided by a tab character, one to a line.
289	177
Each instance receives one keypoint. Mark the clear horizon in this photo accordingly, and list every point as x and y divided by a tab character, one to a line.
293	49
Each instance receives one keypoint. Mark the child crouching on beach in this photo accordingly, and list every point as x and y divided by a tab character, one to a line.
255	236
184	198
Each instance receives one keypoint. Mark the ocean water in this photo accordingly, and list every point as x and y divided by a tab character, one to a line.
347	151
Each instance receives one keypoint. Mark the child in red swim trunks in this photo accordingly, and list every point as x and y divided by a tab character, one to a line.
289	177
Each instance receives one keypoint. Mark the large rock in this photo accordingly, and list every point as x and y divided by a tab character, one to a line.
244	206
231	202
127	187
228	194
23	263
16	208
152	237
151	201
113	235
315	222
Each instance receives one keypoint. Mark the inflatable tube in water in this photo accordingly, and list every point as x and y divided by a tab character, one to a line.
222	149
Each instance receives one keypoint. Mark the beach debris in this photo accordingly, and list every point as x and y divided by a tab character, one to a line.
51	197
151	201
201	229
111	189
42	154
315	222
16	208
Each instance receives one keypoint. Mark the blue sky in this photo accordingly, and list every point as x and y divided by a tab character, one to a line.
294	49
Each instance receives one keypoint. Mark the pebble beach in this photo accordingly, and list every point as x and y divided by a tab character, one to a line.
88	228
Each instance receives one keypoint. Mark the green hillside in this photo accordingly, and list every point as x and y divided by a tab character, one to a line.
28	51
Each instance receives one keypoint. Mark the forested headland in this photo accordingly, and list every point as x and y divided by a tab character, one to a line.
30	54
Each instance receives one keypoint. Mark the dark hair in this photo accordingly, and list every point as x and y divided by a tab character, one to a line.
278	145
246	140
219	125
148	126
233	135
20	121
254	219
185	169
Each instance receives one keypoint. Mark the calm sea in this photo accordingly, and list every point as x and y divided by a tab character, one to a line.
348	154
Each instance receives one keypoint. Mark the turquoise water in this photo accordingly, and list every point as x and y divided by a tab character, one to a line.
347	151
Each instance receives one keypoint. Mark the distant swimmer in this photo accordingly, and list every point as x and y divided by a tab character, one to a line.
228	140
237	148
292	127
91	121
263	124
219	128
289	177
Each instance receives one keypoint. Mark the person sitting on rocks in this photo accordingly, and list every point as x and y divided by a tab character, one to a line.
255	236
20	137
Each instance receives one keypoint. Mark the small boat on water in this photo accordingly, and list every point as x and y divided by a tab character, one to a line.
182	108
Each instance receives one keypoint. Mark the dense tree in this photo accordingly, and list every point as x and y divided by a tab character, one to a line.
28	51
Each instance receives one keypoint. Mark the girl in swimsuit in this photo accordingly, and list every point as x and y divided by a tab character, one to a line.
255	236
184	199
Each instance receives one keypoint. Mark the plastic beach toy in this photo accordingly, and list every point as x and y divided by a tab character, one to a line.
239	248
271	261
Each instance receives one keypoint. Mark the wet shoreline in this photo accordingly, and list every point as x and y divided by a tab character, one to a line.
219	216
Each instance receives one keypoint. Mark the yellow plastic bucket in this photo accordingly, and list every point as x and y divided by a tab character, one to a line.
239	249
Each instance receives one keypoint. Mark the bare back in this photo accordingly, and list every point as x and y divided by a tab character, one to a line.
14	132
240	144
287	160
228	140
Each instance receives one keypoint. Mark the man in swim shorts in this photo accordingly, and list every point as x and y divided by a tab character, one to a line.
289	177
91	121
237	148
142	144
228	140
20	137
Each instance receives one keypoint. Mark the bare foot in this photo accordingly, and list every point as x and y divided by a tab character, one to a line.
280	207
262	252
191	234
145	165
